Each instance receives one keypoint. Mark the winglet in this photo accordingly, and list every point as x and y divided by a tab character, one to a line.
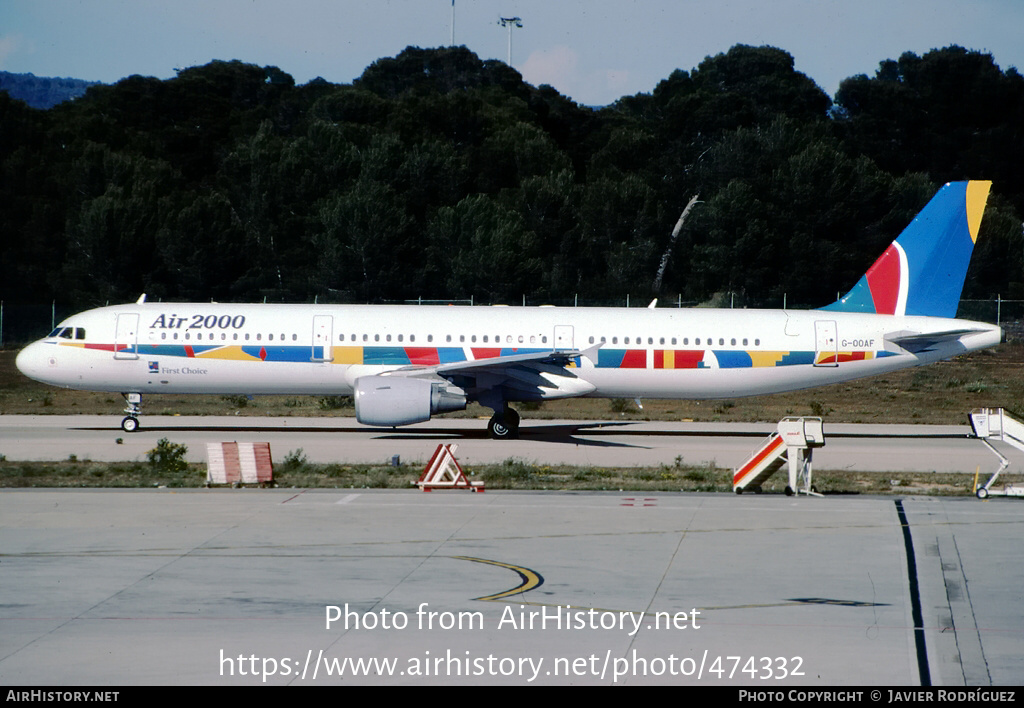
922	272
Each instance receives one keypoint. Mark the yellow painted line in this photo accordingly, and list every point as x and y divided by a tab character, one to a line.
530	578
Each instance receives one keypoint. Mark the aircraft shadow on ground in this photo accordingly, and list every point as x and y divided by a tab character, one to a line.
559	433
556	432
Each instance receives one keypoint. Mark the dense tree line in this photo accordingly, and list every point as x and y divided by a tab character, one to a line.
42	91
440	175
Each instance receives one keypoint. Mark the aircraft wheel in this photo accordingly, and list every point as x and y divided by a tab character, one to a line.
503	427
982	493
129	424
739	490
789	491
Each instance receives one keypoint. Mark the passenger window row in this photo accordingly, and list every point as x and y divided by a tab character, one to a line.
79	333
235	337
66	332
450	338
674	341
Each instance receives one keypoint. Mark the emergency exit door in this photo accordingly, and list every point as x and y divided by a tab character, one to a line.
323	328
826	343
126	336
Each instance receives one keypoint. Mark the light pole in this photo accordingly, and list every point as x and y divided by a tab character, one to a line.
510	22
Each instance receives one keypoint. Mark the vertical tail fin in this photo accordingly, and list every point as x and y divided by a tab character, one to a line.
922	272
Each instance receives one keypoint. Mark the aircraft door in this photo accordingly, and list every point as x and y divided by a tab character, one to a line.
826	349
126	336
323	328
563	337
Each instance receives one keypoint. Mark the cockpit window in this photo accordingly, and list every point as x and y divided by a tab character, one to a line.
68	333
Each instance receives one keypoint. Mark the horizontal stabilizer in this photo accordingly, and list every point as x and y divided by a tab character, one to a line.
915	342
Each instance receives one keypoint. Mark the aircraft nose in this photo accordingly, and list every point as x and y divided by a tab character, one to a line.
33	361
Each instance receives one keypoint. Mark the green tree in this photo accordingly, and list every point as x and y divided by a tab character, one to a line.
483	249
951	113
364	243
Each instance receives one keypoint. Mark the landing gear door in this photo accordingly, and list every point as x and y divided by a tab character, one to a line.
826	350
126	337
563	337
323	326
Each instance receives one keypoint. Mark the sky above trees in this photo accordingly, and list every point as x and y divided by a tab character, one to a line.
593	51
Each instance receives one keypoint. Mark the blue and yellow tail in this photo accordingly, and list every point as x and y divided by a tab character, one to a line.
922	272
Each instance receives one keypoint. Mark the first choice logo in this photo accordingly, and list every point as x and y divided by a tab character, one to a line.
173	321
185	371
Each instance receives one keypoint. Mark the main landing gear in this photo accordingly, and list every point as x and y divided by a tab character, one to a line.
504	425
133	407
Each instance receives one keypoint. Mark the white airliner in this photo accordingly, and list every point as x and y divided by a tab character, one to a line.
404	364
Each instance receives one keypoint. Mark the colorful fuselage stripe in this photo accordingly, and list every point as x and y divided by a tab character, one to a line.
841	357
435	356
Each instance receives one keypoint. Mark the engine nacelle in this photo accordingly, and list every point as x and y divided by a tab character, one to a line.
397	400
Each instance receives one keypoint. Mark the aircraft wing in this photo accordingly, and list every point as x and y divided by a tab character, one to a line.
546	374
915	342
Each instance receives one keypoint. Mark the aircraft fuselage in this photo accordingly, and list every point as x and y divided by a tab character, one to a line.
322	349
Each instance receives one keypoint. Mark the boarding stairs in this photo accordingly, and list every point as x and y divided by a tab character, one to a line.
793	441
996	424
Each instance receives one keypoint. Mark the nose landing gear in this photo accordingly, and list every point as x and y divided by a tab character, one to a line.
133	407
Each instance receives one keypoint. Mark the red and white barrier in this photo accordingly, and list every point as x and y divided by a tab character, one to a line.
239	463
444	472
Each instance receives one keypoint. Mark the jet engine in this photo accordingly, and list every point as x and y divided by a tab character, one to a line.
397	400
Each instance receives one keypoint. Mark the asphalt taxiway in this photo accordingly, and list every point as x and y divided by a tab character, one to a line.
925	448
253	587
337	587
